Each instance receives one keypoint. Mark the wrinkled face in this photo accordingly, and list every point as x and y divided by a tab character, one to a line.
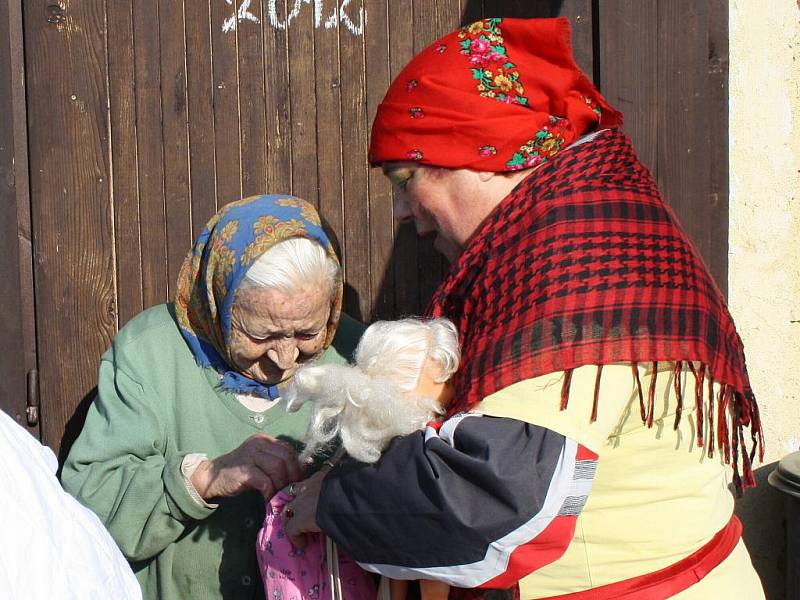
435	200
274	332
428	387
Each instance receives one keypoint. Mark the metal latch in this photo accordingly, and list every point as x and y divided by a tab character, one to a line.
32	409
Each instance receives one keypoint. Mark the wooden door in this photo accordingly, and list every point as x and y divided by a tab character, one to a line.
18	374
145	117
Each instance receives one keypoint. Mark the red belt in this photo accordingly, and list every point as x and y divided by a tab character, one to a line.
670	580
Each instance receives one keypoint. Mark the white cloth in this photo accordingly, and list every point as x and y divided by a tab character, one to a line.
51	547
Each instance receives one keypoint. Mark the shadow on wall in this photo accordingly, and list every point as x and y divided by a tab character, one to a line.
477	9
765	535
412	273
73	427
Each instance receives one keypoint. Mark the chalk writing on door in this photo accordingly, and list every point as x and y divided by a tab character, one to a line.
242	14
326	14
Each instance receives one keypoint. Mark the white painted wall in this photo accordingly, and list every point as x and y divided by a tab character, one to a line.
764	260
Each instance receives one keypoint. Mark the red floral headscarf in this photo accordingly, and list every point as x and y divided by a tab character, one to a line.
497	95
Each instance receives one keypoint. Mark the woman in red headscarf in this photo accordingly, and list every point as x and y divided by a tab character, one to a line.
603	391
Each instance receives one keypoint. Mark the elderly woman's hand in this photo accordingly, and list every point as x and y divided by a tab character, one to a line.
261	463
300	515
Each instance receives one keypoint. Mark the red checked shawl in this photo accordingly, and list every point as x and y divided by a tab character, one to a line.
583	263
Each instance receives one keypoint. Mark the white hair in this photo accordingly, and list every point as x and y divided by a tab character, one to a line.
370	403
292	264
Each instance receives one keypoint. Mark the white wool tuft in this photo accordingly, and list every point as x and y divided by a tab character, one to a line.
369	404
366	412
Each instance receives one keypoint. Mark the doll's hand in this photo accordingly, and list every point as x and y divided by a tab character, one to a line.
300	514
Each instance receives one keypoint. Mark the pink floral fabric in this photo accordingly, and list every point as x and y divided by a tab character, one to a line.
291	573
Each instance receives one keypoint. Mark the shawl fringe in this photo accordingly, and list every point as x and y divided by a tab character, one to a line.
740	409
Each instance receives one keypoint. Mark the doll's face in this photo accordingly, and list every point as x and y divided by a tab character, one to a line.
430	388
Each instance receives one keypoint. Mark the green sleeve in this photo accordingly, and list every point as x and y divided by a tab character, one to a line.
118	468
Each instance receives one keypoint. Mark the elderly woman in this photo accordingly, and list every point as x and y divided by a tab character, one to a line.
183	443
595	345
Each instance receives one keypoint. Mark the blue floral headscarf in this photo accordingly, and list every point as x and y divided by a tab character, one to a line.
215	267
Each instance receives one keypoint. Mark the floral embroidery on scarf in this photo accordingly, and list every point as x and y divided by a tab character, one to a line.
268	231
497	76
414	155
307	211
416	112
544	145
184	296
412	85
441	48
225	256
486	151
593	105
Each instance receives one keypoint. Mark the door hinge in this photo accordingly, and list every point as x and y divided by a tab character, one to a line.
32	408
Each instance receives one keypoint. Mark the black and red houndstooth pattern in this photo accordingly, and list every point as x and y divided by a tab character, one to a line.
584	264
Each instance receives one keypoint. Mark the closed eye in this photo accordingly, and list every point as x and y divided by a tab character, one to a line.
400	178
308	335
259	339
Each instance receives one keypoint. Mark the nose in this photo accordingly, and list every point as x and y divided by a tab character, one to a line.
284	354
402	209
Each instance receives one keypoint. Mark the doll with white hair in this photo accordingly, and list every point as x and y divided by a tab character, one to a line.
398	384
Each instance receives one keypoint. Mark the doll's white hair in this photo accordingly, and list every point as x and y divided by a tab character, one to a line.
370	403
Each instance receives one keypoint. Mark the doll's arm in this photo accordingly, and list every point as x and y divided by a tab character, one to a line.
398	589
433	590
428	589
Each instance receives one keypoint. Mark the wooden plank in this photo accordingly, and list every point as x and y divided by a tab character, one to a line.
304	110
425	29
65	54
200	82
471	11
252	119
355	138
277	104
447	16
404	259
150	143
446	21
330	153
717	119
176	137
381	227
629	70
684	170
580	16
522	9
225	67
429	262
125	184
16	271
